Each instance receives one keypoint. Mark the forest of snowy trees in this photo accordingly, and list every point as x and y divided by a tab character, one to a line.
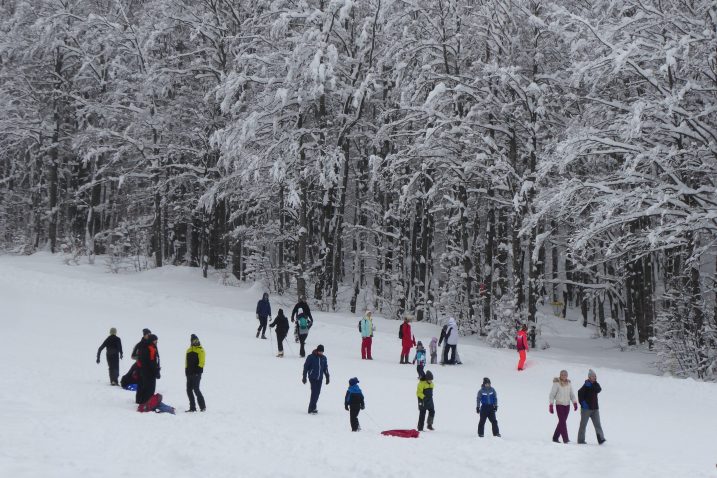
431	157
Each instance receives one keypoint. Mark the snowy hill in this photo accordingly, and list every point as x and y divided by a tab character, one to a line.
62	419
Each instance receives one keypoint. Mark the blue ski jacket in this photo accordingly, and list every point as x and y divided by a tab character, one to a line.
316	366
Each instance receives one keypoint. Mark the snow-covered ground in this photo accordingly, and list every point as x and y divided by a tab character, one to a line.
60	417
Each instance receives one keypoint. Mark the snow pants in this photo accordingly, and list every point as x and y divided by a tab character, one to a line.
113	365
354	411
315	392
193	389
487	413
280	336
422	415
434	357
405	352
366	348
594	415
262	326
146	387
521	361
302	342
164	408
452	349
562	429
419	369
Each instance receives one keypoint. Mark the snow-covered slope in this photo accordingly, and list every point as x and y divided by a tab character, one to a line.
61	418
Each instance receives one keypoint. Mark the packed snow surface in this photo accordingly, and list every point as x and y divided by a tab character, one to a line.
61	418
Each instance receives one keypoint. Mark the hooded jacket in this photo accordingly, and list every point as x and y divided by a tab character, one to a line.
366	327
263	308
316	366
588	395
452	332
561	393
486	396
424	392
281	323
522	340
354	397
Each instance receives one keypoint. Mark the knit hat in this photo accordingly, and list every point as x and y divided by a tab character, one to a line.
113	331
591	373
146	331
152	338
320	348
419	343
486	380
429	375
353	381
193	338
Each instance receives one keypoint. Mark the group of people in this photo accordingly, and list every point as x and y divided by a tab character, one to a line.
146	370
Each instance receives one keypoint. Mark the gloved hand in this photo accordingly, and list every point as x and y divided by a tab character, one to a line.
346	407
121	356
550	409
495	408
98	360
303	380
478	410
327	380
575	406
584	404
363	406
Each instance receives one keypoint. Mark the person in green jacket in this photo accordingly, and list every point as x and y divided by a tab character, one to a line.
193	369
424	392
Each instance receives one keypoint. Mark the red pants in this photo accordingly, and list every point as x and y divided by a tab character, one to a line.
406	350
521	362
366	348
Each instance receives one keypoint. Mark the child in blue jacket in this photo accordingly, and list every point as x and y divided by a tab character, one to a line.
354	403
420	358
486	406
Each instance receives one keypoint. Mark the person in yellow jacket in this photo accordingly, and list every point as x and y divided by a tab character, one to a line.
193	369
425	400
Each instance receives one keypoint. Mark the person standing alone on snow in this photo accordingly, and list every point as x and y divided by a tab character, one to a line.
562	394
521	343
354	403
263	312
366	329
589	409
433	348
486	407
282	328
407	340
424	392
113	344
315	367
193	369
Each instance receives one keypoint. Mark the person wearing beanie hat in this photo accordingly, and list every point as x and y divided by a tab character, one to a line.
149	368
420	358
282	329
135	351
113	344
193	369
486	407
315	367
590	410
560	397
424	393
354	403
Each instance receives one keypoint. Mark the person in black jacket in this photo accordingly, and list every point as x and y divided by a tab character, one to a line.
354	403
113	344
589	408
135	350
282	328
149	369
193	369
299	308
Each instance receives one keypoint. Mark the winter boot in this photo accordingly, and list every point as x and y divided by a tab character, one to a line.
257	334
430	425
191	410
280	354
263	337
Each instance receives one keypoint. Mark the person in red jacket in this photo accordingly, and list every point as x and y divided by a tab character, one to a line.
407	340
522	346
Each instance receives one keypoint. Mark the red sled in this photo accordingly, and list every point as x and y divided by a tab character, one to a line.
401	433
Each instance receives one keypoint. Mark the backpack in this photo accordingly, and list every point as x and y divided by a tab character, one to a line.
400	331
303	322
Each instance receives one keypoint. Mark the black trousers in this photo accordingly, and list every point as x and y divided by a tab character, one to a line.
302	341
422	415
146	386
452	350
354	411
193	389
113	364
280	336
262	325
487	412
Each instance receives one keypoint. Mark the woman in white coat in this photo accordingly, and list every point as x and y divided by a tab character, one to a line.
561	395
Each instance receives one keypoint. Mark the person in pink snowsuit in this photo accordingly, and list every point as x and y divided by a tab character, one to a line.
522	346
407	340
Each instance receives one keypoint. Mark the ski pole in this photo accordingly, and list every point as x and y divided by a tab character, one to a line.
288	343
